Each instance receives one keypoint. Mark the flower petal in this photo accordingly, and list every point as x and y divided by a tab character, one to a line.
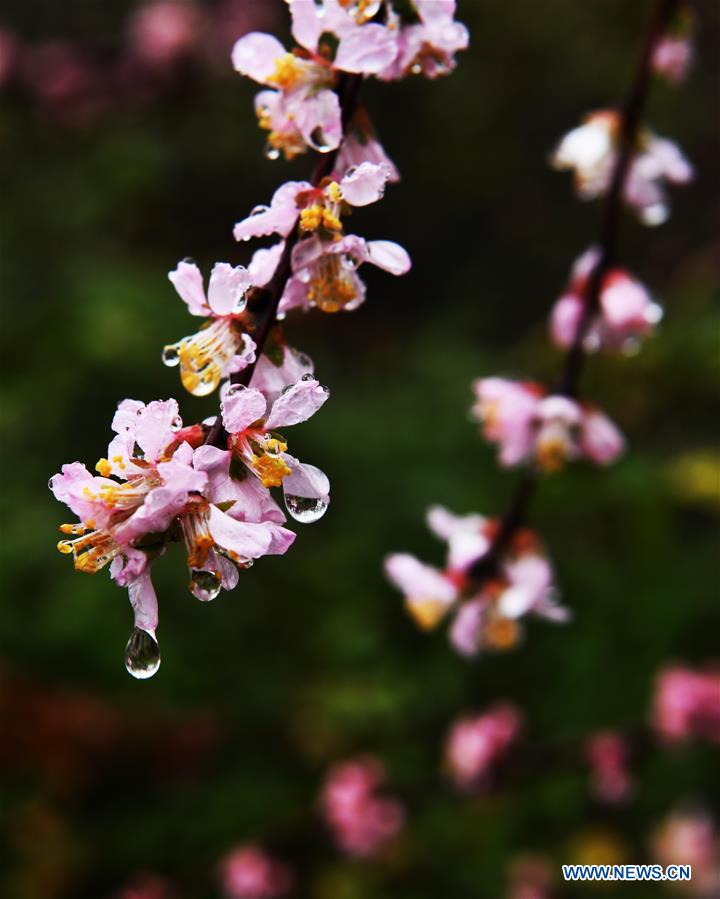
254	55
247	539
390	256
227	288
154	430
297	403
188	282
241	406
364	184
366	50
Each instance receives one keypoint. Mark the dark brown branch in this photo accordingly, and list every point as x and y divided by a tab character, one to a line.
263	302
568	382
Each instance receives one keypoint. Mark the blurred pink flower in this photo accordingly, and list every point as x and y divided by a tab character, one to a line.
10	49
250	873
547	430
627	311
687	704
161	32
362	822
146	886
476	745
607	754
530	877
690	838
590	151
673	57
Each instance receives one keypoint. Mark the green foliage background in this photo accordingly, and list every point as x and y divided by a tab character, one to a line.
313	659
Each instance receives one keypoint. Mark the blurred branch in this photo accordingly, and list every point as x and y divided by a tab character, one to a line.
568	382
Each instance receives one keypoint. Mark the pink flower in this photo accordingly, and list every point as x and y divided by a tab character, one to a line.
687	704
476	745
486	615
163	31
362	822
673	57
301	110
545	430
428	46
690	838
222	348
607	754
151	483
627	311
590	150
316	210
251	423
250	873
359	145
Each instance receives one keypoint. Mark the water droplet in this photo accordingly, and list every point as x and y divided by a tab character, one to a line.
308	376
142	654
351	171
171	355
240	303
281	316
416	69
348	262
306	509
205	585
176	423
234	390
271	152
50	483
319	141
259	210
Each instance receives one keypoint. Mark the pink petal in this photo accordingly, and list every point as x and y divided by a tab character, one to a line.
466	628
319	119
600	439
143	600
188	282
366	50
365	184
241	406
297	403
263	264
247	539
281	539
254	55
389	256
227	288
307	25
278	218
417	580
154	430
305	481
565	320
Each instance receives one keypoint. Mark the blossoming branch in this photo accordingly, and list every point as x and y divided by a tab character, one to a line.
497	571
208	484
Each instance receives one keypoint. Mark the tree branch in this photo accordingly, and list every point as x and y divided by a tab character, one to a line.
568	382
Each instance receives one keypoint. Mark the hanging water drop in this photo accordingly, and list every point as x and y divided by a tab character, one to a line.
319	141
306	509
205	585
171	355
271	152
142	654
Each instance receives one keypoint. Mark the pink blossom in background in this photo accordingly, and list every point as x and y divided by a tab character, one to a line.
530	426
673	58
690	838
361	819
686	704
10	50
146	886
627	312
530	877
161	32
607	755
64	80
476	745
485	616
427	47
590	151
248	872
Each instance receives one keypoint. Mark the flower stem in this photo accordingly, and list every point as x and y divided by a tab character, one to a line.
568	381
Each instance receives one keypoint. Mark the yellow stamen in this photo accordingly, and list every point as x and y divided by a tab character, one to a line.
501	633
334	191
271	469
103	467
289	72
332	286
311	218
427	613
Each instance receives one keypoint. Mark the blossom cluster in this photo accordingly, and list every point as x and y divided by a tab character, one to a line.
496	572
361	819
486	613
686	704
477	744
208	485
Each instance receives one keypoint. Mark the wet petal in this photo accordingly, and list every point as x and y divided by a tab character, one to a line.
227	288
188	282
254	55
297	403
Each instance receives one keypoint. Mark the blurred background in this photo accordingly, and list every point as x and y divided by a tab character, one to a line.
125	147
